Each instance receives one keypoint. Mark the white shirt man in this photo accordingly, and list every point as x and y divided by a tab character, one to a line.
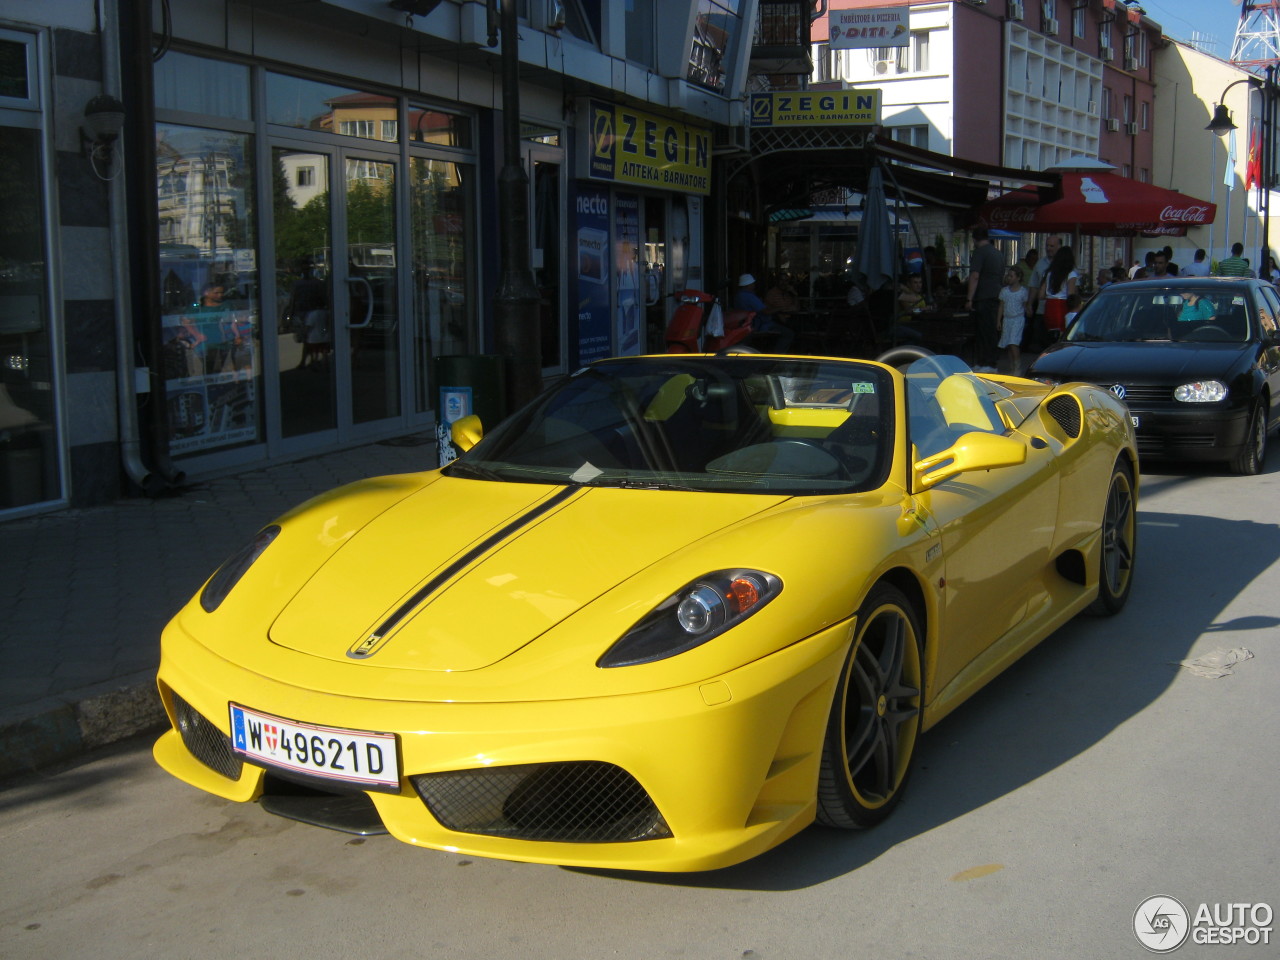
1199	267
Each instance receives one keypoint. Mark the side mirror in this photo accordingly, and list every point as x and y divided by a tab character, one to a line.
973	451
466	432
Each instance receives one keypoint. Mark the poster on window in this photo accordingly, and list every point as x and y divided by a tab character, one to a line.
626	250
208	363
591	234
869	27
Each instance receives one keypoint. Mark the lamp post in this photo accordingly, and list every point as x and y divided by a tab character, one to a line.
1221	124
515	305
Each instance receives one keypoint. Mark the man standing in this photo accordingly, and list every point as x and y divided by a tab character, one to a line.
986	276
1199	267
1160	266
747	299
1234	265
1036	337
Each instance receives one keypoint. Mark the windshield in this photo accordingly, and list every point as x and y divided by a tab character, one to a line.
1207	315
740	423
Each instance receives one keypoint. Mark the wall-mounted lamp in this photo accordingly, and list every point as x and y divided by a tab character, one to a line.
103	119
415	8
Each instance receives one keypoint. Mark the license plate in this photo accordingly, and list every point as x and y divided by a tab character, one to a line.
1136	421
361	757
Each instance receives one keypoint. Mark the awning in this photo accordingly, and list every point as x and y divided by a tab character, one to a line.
1097	203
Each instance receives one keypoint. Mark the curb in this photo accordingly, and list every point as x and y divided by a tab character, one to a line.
67	730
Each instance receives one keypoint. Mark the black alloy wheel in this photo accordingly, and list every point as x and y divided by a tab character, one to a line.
875	715
1248	462
1119	543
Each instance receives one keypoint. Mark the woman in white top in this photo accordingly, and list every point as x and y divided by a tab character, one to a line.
1060	282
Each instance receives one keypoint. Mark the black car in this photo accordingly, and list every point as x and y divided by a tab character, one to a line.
1197	359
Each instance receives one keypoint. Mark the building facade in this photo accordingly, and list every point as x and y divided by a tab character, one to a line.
299	221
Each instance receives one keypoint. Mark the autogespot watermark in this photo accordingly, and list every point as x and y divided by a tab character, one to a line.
1162	924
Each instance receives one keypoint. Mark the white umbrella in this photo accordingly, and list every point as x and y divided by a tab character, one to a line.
877	253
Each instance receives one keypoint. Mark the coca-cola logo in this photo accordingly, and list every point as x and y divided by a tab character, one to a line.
1013	214
1191	214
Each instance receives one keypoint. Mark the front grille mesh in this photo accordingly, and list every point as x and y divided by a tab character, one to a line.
206	742
1066	410
571	802
1143	393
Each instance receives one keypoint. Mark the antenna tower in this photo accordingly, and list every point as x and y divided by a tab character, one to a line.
1257	42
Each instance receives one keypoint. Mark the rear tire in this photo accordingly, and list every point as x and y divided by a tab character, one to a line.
1248	462
875	716
1119	544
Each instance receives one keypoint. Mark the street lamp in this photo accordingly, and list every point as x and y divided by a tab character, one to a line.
1221	124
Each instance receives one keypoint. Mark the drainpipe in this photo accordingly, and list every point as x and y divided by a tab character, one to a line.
126	398
144	229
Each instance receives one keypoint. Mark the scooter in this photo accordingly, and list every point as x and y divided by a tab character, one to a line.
700	325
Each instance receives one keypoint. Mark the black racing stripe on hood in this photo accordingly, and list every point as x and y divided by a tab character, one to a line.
481	548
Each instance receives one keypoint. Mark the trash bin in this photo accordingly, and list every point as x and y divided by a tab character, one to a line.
467	384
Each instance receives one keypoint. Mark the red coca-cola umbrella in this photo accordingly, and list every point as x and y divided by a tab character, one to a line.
1097	203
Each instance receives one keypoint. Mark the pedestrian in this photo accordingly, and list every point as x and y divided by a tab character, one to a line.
1105	277
781	298
1134	268
1168	259
1027	265
986	275
747	299
1198	267
1015	301
1160	266
1235	265
911	300
1036	337
1060	282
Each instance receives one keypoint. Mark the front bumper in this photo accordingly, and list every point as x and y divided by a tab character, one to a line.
730	763
1191	432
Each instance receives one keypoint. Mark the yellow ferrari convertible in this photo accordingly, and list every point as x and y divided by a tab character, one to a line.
664	617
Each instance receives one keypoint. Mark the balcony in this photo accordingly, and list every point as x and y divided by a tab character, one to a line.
781	43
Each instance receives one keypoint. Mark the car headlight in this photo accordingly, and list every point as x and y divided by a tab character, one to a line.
1201	391
692	615
229	574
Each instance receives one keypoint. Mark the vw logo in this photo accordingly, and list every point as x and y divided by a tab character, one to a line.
1118	390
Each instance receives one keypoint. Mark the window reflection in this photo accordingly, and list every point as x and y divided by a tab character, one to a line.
28	443
311	105
427	125
211	359
440	196
714	32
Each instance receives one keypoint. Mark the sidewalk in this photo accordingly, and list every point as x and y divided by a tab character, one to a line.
85	593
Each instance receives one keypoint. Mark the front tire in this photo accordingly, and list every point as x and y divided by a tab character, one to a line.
875	716
1248	462
1119	544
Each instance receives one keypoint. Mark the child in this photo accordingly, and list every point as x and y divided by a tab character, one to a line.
1073	307
1011	317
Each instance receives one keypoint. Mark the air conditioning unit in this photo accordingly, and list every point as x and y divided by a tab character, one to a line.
1107	53
1050	25
1131	63
1015	9
1113	125
1131	129
883	66
1093	108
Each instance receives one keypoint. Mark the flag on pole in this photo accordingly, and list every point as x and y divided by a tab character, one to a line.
1253	166
1229	177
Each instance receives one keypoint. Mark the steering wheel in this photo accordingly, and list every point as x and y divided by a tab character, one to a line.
1207	328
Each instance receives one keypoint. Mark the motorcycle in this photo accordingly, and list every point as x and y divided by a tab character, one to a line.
700	325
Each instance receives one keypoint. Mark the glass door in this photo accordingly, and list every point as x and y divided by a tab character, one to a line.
336	291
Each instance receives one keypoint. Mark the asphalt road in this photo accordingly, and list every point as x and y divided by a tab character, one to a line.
1094	774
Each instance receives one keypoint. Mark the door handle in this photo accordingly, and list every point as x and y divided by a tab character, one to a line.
368	299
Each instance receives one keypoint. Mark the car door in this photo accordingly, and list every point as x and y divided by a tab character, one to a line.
996	529
1269	321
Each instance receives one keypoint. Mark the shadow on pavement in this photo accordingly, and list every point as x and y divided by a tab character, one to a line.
1057	702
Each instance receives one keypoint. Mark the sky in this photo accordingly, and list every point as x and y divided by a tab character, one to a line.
1182	18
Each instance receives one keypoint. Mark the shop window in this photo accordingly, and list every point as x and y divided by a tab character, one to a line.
211	360
194	84
17	70
311	105
715	31
429	125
